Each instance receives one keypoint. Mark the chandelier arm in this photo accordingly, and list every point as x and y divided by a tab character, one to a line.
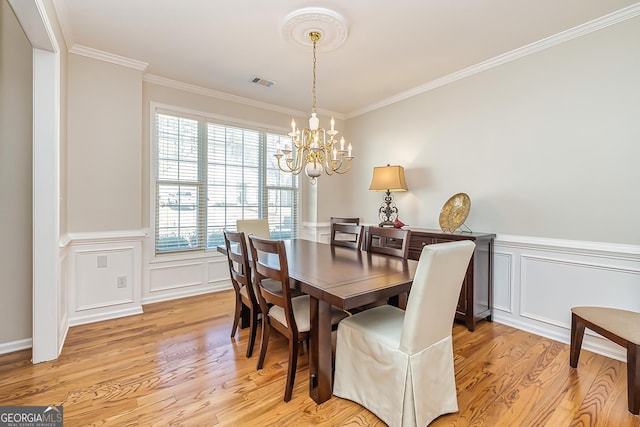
344	171
283	169
298	160
346	168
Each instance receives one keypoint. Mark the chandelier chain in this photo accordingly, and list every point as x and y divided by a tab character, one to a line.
313	109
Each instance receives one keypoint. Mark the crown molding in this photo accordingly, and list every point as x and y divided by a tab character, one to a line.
551	41
108	57
199	90
546	43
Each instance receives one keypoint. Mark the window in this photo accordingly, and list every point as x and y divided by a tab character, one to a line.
210	174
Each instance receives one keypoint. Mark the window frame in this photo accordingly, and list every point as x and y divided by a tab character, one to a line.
202	231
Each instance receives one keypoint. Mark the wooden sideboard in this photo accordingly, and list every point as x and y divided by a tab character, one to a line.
475	302
475	299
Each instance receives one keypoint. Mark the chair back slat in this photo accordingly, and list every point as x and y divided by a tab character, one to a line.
389	241
345	220
347	235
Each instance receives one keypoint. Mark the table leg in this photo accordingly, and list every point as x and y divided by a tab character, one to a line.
399	301
320	363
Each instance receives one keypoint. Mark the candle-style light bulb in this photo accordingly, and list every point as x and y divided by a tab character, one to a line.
333	123
342	144
349	150
293	126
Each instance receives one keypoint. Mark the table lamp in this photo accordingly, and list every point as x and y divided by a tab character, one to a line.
388	178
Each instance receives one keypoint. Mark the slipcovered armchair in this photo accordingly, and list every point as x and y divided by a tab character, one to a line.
257	227
397	364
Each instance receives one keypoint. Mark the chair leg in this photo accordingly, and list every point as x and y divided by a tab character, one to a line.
633	377
264	341
245	316
293	364
577	334
236	315
253	329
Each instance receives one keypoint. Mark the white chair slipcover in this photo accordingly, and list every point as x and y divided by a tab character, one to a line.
257	227
399	364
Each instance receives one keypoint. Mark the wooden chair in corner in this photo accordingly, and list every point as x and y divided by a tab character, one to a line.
284	313
620	326
346	235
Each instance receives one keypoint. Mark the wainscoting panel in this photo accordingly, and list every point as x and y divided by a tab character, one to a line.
546	277
103	284
536	281
182	275
175	275
502	281
548	283
104	276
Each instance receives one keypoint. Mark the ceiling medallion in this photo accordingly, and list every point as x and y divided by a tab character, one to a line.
331	26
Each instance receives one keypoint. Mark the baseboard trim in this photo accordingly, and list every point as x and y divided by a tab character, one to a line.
150	299
107	315
18	345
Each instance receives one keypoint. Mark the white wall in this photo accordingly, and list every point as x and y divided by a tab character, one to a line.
15	175
547	145
104	146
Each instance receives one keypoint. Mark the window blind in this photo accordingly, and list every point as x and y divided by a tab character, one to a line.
210	174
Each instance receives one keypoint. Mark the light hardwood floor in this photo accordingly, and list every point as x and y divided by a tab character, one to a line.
176	365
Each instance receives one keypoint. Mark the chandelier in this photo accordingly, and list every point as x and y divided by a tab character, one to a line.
314	149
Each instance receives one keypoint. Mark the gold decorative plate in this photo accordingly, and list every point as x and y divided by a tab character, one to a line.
454	212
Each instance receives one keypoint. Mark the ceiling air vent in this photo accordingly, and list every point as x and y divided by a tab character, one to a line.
262	82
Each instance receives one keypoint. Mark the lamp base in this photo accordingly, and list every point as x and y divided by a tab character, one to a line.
388	211
386	224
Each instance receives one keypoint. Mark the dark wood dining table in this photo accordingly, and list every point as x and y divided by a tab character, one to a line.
346	278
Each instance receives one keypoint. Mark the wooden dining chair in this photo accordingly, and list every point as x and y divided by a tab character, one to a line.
344	220
399	364
247	307
620	326
288	315
240	272
389	241
347	235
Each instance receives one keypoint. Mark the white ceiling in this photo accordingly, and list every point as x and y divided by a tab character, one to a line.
392	47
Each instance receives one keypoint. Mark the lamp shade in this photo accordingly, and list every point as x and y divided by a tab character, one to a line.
388	178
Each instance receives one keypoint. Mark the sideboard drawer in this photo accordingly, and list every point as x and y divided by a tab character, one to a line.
417	242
